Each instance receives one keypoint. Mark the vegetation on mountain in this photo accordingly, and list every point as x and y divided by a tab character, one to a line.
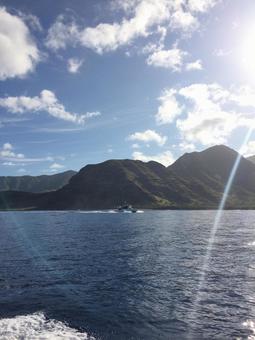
195	181
35	183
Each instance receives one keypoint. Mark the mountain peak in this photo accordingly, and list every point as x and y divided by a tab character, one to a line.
219	148
212	153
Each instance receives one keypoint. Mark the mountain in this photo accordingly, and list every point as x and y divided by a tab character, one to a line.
195	181
206	174
19	200
111	183
251	159
35	184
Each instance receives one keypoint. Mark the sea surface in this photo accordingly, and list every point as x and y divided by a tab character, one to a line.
105	275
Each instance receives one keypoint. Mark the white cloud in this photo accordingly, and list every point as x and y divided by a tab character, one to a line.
18	52
126	5
244	97
47	102
8	156
249	149
74	64
135	146
108	37
196	65
169	107
166	158
187	147
209	112
7	146
148	136
32	21
7	152
62	33
141	18
172	59
207	121
184	21
201	5
56	166
150	48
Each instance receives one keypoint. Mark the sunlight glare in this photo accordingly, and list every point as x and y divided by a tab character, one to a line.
248	51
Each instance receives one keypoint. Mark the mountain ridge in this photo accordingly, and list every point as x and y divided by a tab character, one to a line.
35	184
194	181
251	159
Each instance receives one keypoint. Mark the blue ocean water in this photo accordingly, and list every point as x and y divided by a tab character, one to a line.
77	275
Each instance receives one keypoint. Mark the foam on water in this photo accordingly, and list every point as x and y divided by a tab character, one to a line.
37	327
111	211
251	326
251	244
95	211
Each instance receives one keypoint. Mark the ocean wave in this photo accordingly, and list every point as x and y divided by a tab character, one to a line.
37	327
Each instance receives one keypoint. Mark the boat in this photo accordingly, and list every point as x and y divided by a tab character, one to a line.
126	208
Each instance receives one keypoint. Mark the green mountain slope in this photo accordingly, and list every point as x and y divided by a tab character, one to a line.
35	183
108	184
206	173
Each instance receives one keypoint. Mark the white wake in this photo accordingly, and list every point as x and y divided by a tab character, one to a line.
37	327
112	211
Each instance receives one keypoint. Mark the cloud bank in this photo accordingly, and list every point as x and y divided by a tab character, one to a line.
206	113
141	19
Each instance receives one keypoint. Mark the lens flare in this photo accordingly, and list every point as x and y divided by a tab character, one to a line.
216	224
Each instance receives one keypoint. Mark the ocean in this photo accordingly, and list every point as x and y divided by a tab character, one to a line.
105	275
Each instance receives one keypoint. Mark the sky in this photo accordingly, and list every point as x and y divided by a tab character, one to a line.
82	81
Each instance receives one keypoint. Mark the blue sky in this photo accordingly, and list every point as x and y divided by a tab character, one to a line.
85	81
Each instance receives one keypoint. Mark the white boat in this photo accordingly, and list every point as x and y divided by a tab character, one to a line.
126	208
